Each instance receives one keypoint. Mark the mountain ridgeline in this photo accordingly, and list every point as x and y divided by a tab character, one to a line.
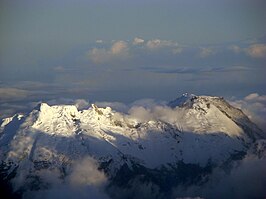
166	151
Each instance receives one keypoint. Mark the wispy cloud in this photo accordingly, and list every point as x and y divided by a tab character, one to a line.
13	94
197	70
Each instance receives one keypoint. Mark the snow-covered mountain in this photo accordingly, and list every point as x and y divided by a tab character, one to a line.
192	134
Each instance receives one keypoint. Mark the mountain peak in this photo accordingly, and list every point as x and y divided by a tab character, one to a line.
55	112
41	106
188	99
206	108
184	99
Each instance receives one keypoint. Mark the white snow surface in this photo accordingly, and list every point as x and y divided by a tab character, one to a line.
61	133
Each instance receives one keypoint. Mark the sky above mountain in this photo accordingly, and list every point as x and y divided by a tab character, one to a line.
127	50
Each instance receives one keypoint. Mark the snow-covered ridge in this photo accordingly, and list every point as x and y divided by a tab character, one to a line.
195	129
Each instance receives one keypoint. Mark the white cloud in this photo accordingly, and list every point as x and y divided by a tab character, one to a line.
235	49
206	52
138	41
141	114
118	51
255	97
86	172
99	55
157	43
177	50
59	69
144	113
257	51
99	41
119	48
81	104
251	96
152	44
254	106
254	50
85	180
117	106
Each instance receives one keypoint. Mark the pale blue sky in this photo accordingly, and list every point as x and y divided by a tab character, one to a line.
78	22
